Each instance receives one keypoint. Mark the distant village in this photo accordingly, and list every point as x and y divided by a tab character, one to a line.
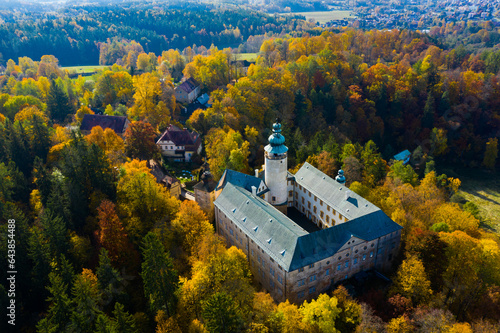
410	14
419	14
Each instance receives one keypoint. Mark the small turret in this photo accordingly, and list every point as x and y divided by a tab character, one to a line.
340	177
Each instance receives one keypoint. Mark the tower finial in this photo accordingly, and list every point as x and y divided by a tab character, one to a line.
340	177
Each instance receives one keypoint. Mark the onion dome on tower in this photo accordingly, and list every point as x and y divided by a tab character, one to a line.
340	177
276	141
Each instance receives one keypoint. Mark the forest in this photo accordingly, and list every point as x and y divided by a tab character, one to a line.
103	247
74	34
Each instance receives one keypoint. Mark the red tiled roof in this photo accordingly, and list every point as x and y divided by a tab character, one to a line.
116	123
181	137
189	85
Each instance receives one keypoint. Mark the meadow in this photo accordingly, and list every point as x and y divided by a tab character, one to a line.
483	189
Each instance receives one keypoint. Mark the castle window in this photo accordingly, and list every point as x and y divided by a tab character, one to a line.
371	254
290	193
309	194
339	267
327	218
312	278
355	261
328	208
302	282
364	256
274	198
303	210
300	294
309	205
300	187
327	272
280	279
314	209
347	264
302	200
311	265
321	214
301	269
315	199
312	290
296	195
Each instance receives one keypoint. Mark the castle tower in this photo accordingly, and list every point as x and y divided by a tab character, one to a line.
275	165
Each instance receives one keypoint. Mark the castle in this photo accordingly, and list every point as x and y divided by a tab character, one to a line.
333	235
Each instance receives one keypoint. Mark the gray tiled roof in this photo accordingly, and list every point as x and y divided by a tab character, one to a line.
325	243
253	214
241	180
333	193
256	212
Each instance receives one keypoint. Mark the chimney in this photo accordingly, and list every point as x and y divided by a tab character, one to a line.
254	190
347	194
257	173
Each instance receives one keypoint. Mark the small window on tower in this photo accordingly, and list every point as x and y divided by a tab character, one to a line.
274	198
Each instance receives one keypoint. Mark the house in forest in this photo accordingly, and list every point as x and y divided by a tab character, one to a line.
179	144
187	91
403	156
117	123
301	233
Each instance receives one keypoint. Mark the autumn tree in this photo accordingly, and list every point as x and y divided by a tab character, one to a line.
192	225
226	150
110	143
142	200
112	235
412	281
140	141
148	103
321	313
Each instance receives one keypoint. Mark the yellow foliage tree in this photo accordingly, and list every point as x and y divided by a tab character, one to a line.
192	225
28	112
321	314
112	145
412	281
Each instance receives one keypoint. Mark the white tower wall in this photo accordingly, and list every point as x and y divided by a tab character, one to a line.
275	177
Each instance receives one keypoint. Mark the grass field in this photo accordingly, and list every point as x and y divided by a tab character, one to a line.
84	69
251	57
483	189
323	17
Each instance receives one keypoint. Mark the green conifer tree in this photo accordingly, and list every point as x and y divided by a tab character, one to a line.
160	278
